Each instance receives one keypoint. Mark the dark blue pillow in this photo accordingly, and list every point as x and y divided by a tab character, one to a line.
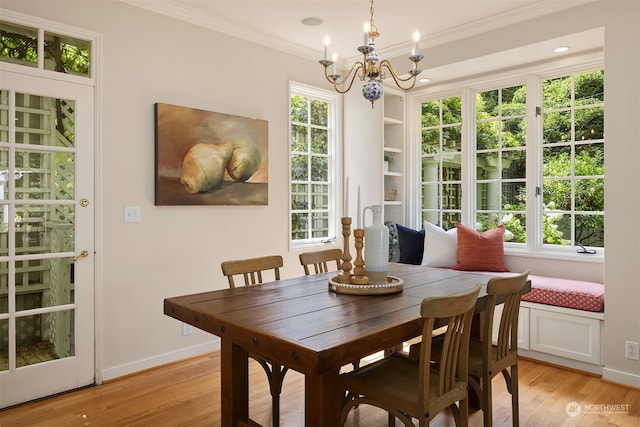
411	244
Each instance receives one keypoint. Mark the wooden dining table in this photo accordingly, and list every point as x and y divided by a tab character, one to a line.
303	325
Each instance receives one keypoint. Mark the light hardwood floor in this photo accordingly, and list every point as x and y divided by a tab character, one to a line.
187	393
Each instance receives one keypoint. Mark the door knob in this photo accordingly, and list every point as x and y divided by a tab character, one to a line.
83	254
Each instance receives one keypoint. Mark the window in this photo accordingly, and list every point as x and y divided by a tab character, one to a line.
573	160
313	165
441	161
484	131
500	161
64	54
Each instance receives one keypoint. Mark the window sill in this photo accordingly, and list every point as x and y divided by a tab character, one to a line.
567	255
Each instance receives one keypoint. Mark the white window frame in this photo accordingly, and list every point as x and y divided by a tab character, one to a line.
334	124
531	76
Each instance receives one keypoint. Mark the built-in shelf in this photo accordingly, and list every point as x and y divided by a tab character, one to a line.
393	149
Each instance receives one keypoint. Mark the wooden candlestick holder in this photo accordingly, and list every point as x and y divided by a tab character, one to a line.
359	271
346	256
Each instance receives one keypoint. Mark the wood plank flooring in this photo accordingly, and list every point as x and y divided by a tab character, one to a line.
187	393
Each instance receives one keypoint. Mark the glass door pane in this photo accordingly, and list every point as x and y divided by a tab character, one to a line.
37	173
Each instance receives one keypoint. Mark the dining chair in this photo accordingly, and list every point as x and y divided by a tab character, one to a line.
320	260
251	269
486	359
408	389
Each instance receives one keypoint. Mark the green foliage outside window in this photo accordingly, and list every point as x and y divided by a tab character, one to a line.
572	160
309	167
19	44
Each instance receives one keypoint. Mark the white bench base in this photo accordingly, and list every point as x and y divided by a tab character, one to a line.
559	335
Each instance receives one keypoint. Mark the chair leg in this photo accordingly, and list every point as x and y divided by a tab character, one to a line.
276	378
512	386
487	403
463	412
275	375
515	407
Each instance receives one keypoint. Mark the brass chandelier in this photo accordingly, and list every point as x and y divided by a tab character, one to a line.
370	69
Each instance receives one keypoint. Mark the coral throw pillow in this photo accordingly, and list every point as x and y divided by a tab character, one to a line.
480	251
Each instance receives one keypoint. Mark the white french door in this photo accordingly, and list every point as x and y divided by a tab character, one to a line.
46	237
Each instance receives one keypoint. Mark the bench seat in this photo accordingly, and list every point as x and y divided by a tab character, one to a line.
576	294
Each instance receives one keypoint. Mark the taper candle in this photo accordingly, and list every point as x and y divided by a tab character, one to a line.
359	213
345	208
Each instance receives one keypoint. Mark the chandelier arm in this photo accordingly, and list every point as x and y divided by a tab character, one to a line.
351	75
371	68
412	78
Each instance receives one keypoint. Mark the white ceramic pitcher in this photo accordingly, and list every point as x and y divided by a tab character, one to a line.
376	246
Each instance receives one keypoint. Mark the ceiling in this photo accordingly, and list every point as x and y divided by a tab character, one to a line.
278	25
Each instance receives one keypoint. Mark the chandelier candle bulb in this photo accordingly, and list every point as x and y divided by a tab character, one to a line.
334	58
365	28
326	46
416	38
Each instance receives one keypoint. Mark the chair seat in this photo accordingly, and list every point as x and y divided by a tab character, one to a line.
393	381
475	358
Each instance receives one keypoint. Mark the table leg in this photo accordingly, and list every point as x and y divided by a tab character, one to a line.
323	399
234	375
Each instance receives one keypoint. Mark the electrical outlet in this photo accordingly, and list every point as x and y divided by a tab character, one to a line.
132	214
632	350
186	329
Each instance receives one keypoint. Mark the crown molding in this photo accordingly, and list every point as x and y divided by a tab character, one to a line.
525	13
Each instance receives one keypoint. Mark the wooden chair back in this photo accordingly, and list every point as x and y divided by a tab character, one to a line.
320	260
251	269
408	389
486	360
509	289
452	368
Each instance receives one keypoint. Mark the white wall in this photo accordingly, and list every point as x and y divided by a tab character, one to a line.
150	58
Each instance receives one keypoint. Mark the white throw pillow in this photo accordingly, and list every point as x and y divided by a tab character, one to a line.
440	246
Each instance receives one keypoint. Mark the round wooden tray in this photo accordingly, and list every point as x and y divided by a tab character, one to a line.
393	286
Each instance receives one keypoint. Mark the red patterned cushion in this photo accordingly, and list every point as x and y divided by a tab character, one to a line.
480	251
588	296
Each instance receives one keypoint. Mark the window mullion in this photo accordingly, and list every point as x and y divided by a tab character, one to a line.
534	161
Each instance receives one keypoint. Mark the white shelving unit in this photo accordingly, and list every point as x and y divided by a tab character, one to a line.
393	152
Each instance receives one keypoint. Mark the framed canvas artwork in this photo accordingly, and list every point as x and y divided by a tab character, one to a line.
209	158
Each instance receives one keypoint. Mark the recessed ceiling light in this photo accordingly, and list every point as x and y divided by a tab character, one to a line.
561	49
312	21
424	80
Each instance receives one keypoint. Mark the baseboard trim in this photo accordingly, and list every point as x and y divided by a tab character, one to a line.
161	359
620	377
561	361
